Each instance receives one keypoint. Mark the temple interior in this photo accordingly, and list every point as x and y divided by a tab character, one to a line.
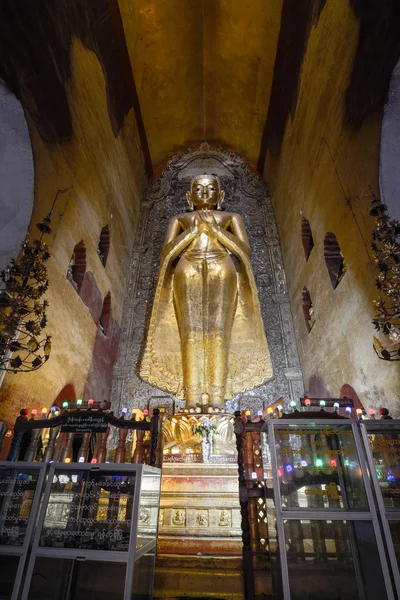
199	232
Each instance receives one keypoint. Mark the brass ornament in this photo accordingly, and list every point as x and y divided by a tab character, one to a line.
206	334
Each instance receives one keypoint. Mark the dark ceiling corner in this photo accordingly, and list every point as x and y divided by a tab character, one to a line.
35	63
318	8
297	18
377	54
35	44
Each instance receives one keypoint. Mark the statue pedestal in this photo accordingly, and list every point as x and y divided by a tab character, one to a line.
200	510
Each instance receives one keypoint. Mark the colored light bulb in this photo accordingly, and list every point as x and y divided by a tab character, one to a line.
322	403
124	410
293	403
146	411
348	409
34	411
270	410
90	402
289	468
307	401
79	402
319	462
65	405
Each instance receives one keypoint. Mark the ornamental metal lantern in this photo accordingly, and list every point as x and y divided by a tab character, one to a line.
23	347
386	250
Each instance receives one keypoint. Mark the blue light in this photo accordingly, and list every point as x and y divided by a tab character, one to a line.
289	468
348	409
391	478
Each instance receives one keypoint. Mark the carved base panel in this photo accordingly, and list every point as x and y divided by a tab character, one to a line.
200	510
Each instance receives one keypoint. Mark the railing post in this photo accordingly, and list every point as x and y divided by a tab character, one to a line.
30	454
102	453
248	572
155	434
51	444
67	451
139	449
120	452
84	449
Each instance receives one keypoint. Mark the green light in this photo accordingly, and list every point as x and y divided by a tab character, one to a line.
319	462
79	402
65	405
322	403
293	403
346	462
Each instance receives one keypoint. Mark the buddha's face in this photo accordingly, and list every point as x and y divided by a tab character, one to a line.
205	193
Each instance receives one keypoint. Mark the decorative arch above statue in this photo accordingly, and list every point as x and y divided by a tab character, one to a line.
247	196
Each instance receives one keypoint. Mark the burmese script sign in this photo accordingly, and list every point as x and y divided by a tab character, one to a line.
16	496
95	423
89	511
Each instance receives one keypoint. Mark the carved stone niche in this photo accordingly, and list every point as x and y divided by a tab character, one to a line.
179	517
202	519
224	518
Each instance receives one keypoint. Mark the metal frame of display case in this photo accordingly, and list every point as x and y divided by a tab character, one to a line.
22	551
128	557
322	514
371	427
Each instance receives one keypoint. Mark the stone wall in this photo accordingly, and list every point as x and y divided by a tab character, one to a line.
105	176
326	171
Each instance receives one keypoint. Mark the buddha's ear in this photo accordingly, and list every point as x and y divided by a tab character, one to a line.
189	201
221	198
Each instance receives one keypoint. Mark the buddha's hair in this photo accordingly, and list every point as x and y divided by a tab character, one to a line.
209	175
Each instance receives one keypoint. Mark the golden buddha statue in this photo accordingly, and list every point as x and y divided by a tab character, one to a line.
206	334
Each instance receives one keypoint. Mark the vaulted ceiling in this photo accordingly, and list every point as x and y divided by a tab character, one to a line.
203	70
224	71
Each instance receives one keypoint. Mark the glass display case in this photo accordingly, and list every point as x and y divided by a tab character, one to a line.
330	544
20	491
382	443
97	531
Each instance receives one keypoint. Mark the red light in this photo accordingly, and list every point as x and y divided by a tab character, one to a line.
307	401
94	460
280	472
34	411
333	462
90	402
146	412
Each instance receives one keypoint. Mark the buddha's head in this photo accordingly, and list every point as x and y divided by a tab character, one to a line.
205	192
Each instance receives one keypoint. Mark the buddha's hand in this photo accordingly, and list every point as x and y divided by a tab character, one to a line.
207	220
200	225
